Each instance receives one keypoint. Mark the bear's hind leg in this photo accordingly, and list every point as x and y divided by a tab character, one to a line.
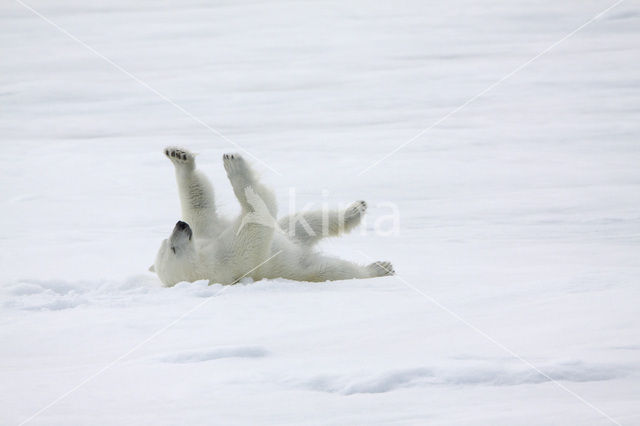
309	227
326	268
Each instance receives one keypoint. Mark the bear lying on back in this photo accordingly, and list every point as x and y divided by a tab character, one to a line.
204	245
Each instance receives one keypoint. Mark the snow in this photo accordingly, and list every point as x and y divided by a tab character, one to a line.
519	214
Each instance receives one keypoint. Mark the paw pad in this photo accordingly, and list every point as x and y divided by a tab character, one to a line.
178	155
356	209
234	164
384	268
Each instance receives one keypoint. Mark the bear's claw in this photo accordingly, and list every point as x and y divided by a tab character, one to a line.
178	155
358	208
234	164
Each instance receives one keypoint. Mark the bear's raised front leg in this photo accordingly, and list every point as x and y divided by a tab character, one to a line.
253	231
197	200
242	177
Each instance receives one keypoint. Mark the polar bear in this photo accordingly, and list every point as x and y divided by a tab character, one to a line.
204	245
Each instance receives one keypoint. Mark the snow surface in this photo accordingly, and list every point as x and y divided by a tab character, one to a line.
520	213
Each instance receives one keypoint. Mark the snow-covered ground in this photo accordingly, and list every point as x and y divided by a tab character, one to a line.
519	240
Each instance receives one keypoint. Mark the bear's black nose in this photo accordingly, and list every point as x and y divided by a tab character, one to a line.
182	225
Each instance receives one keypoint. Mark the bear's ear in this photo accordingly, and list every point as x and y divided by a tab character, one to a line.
152	268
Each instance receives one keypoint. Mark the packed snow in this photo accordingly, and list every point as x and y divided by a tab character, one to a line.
517	247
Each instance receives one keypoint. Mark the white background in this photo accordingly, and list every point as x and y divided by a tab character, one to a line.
520	213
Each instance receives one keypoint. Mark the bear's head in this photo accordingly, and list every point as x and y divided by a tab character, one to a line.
180	238
176	256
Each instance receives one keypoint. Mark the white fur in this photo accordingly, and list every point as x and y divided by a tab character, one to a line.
254	244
